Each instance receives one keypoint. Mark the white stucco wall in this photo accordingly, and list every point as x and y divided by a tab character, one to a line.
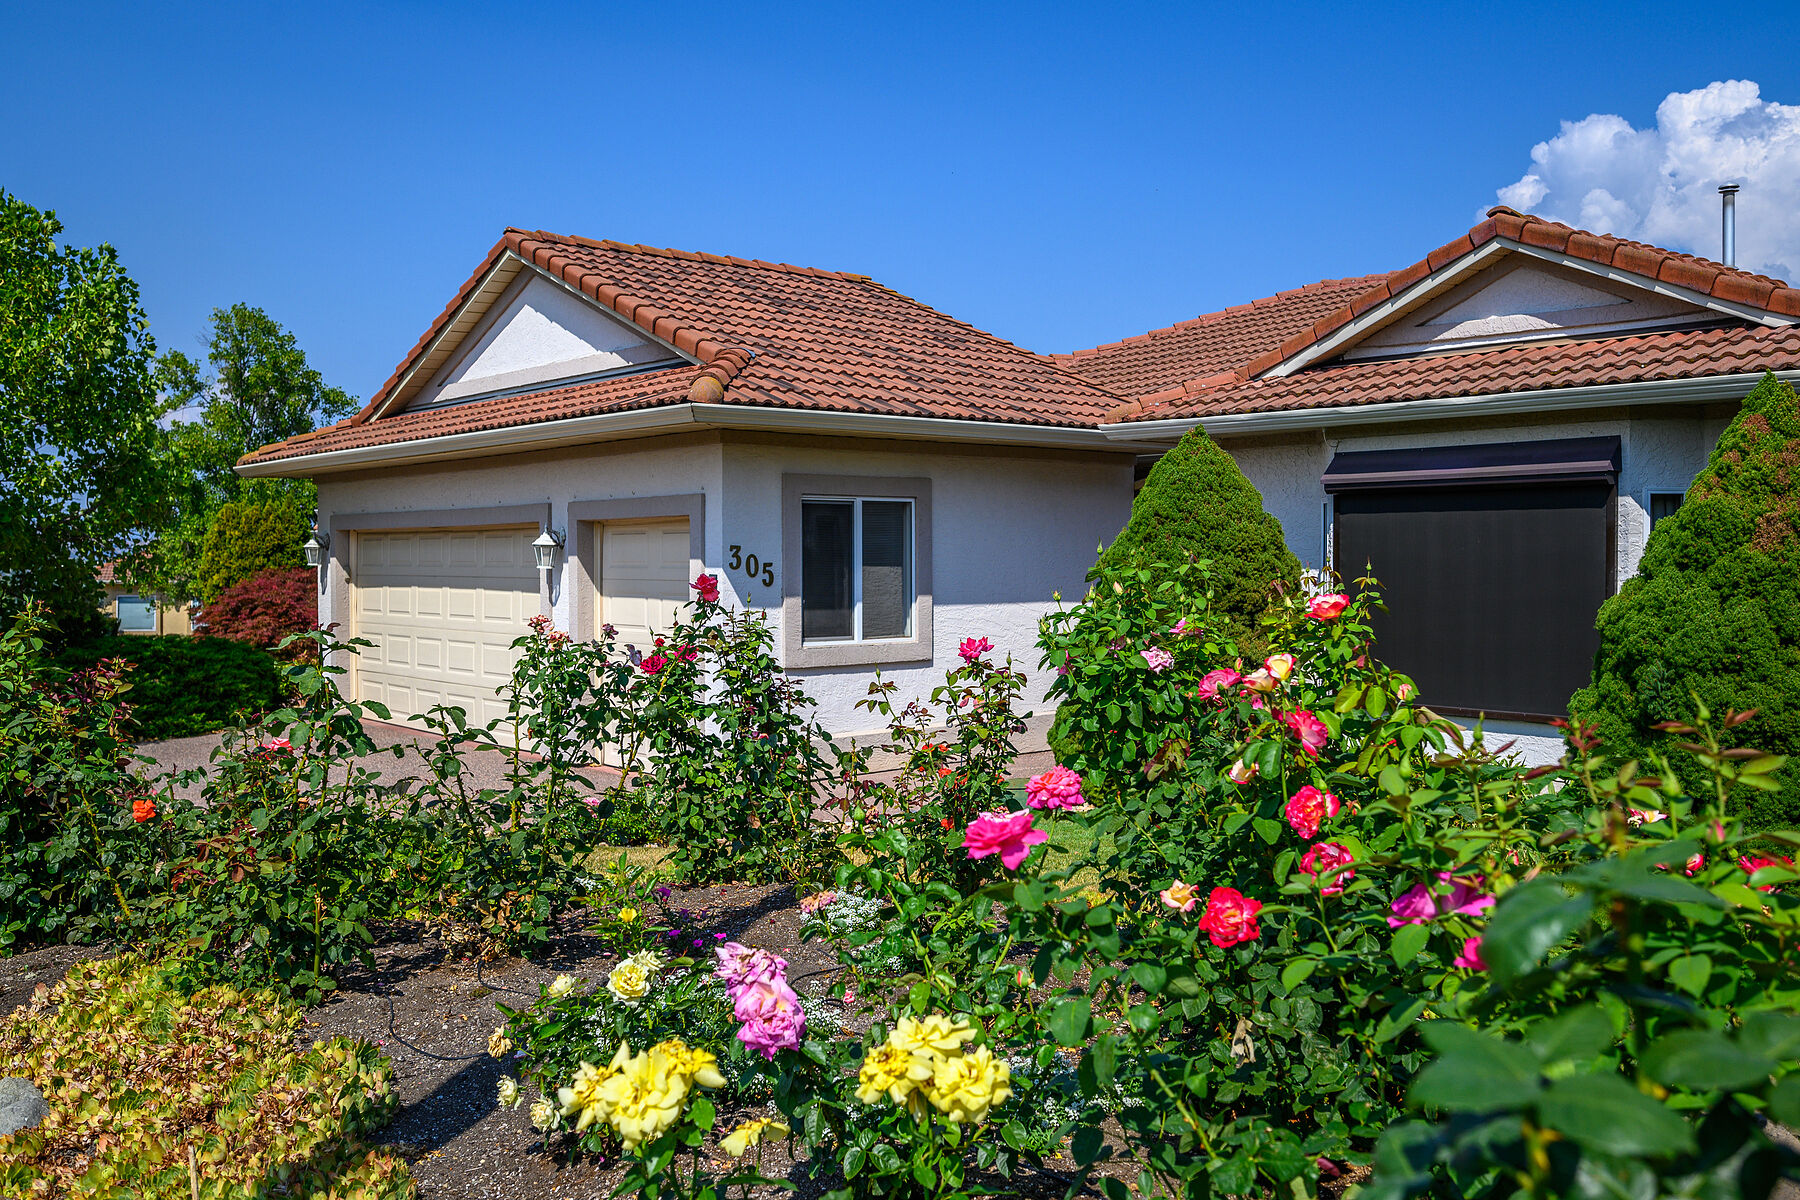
1658	452
1009	529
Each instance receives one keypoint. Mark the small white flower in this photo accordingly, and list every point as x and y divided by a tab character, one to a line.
543	1112
561	986
649	961
509	1092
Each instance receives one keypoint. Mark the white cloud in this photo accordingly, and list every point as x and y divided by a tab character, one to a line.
1660	185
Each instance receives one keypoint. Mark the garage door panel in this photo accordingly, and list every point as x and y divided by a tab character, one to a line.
441	609
644	579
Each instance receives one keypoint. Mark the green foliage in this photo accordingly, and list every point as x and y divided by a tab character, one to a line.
1710	615
81	468
1197	506
186	686
138	1070
247	540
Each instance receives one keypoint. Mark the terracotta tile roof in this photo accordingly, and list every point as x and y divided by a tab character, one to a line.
763	334
1215	342
108	572
1196	391
1682	354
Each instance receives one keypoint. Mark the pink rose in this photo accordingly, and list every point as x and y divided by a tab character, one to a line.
1179	628
1310	731
772	1017
1404	691
707	587
1261	680
1327	608
1331	863
277	744
1307	809
1241	773
1694	864
1279	665
1750	864
1058	787
1230	917
1216	681
653	664
973	648
742	966
1470	955
1419	906
1180	896
1009	835
1158	659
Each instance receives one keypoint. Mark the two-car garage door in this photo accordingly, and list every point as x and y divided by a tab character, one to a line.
441	609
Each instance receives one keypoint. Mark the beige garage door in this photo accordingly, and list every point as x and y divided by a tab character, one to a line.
442	609
643	578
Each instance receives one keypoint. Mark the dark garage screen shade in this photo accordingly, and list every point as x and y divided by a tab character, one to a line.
1491	592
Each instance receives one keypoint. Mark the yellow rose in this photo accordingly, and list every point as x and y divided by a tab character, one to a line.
629	982
933	1032
965	1087
628	915
890	1070
750	1133
561	986
693	1065
643	1096
582	1099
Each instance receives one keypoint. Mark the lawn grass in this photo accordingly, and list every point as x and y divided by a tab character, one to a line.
1072	844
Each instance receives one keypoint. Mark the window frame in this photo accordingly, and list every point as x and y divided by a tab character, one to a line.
856	650
149	605
858	567
1650	497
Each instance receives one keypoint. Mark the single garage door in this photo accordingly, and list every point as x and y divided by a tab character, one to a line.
441	609
643	578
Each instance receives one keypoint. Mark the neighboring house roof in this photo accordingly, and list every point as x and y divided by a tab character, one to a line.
108	572
1214	342
1286	376
752	333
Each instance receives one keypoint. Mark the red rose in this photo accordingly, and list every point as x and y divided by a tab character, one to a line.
1230	917
707	588
143	810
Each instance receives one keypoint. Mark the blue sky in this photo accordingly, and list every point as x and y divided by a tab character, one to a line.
1059	175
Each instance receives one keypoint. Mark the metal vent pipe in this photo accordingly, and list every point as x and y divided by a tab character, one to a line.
1728	224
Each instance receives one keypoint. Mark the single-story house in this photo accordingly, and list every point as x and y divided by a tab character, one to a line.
1492	429
141	614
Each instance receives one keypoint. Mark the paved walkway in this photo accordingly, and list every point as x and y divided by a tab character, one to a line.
486	767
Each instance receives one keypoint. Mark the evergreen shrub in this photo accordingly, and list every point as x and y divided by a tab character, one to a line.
184	686
1197	506
1712	611
244	540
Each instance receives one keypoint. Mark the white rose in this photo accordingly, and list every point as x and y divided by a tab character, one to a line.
561	986
543	1112
629	982
509	1092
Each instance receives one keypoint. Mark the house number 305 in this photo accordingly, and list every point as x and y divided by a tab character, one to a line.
753	566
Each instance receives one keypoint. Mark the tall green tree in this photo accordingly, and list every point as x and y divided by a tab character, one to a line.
1712	611
260	389
83	472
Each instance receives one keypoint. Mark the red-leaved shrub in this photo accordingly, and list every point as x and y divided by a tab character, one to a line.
265	608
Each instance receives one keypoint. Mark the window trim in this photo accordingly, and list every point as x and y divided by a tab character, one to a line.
800	653
1650	495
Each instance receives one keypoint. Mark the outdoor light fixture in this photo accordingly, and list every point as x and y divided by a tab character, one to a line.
315	547
545	547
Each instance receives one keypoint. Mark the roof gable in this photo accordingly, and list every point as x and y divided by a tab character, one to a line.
539	332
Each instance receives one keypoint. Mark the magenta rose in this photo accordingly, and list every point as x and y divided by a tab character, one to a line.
973	648
1470	955
1418	905
1330	862
1230	917
1009	835
1310	731
1308	808
707	588
1058	787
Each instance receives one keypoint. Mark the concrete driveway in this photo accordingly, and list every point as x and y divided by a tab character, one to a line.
486	767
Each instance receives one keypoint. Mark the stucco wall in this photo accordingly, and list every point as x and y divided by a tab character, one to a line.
1659	451
1009	529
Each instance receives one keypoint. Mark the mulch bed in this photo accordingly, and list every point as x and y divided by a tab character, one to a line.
432	1014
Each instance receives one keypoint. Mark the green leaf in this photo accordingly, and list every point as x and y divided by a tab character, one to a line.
885	1158
1086	1145
1702	1060
1475	1073
1408	941
1604	1113
1774	1035
1784	1102
1069	1021
1528	922
855	1159
1690	973
702	1112
1576	1035
1296	972
1105	1057
1150	976
1269	831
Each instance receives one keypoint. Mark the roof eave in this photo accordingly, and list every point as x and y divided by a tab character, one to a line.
1705	389
673	418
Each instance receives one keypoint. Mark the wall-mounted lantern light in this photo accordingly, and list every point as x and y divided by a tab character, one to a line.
316	546
545	547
